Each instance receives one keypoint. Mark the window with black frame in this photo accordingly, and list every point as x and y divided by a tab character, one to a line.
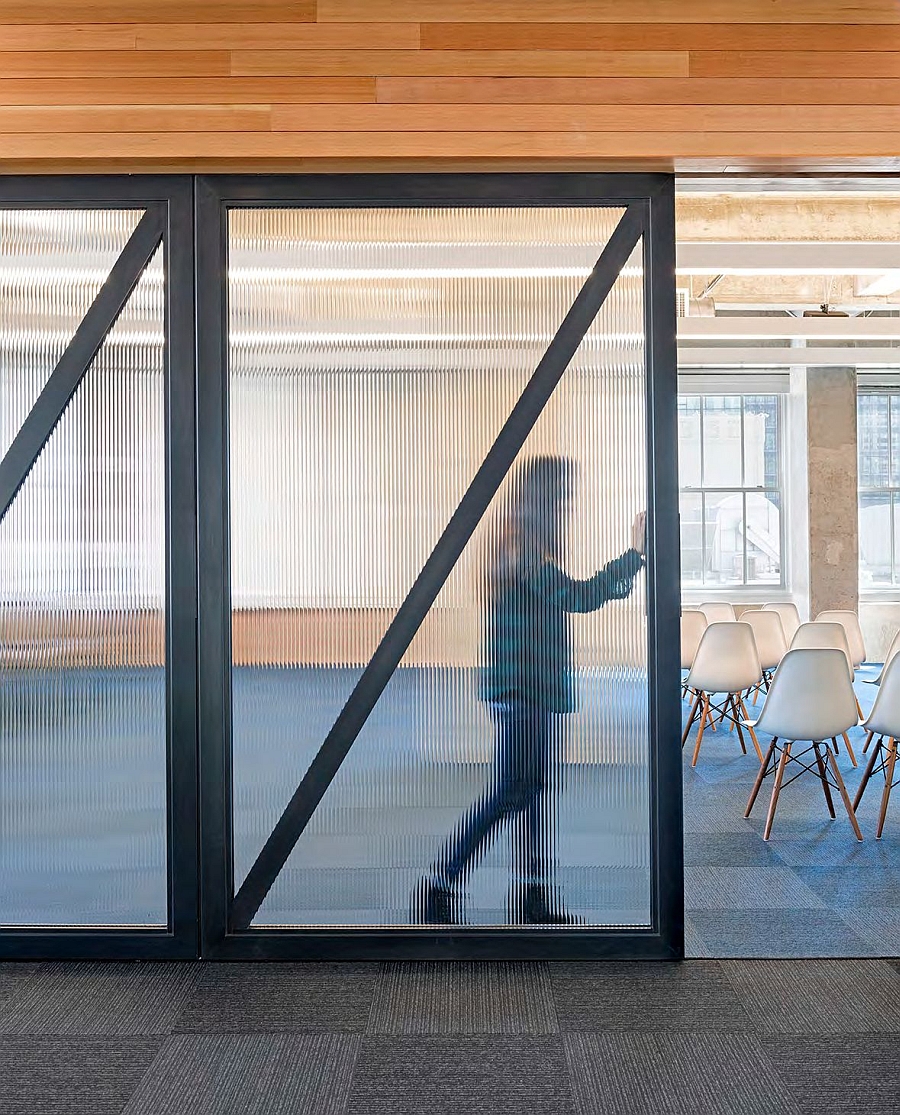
878	440
730	479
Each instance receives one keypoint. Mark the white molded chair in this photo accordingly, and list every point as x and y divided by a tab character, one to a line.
884	722
771	645
719	611
811	698
893	649
790	617
726	662
823	635
889	658
850	623
693	624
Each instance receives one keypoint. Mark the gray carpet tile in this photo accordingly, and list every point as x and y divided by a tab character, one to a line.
13	976
879	925
464	998
694	945
727	849
248	1074
461	1075
818	996
72	1076
743	888
776	933
102	998
852	887
280	998
855	1075
679	1074
645	996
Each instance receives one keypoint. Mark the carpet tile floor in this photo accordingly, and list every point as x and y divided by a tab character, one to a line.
737	1037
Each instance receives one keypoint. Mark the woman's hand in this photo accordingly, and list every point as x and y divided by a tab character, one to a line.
639	533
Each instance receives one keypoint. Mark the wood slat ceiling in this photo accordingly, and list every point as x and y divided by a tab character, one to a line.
708	84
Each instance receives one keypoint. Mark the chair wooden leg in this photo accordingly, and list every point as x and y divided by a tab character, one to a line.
823	775
835	746
754	740
888	784
842	789
736	713
691	718
729	704
849	746
869	735
867	774
859	710
776	789
763	769
703	718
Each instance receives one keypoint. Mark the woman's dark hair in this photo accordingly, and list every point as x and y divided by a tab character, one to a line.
528	528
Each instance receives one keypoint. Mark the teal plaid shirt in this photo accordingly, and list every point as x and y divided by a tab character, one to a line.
528	652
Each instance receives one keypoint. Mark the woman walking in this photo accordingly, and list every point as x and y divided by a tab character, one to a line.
527	682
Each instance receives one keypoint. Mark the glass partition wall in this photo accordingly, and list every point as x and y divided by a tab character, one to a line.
339	567
444	711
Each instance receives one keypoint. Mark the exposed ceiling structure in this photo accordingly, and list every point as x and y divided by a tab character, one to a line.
756	269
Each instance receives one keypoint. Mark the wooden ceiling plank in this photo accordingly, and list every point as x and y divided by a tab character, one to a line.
786	147
153	90
610	11
476	63
115	63
657	36
625	91
777	64
135	118
165	11
280	36
586	118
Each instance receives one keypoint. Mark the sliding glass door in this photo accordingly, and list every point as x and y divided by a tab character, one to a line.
97	698
440	608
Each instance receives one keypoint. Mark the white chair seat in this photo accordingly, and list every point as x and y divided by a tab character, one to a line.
811	698
884	722
850	623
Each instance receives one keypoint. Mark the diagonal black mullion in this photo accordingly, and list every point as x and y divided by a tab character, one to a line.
72	366
436	569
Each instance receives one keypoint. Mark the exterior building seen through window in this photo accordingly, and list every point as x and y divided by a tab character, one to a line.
878	440
730	480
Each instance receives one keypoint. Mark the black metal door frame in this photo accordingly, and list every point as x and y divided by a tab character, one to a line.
168	219
648	200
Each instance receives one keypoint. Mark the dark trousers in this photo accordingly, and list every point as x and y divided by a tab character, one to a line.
524	759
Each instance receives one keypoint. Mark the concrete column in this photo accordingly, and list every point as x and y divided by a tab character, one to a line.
797	532
831	467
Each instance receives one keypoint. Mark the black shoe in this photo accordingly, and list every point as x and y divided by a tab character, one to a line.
538	906
434	905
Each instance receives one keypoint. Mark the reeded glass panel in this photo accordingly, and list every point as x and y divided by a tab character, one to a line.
503	775
52	264
82	589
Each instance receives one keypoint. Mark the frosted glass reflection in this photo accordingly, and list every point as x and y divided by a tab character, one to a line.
82	588
374	358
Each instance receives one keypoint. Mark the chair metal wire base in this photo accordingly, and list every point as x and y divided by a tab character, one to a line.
778	766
